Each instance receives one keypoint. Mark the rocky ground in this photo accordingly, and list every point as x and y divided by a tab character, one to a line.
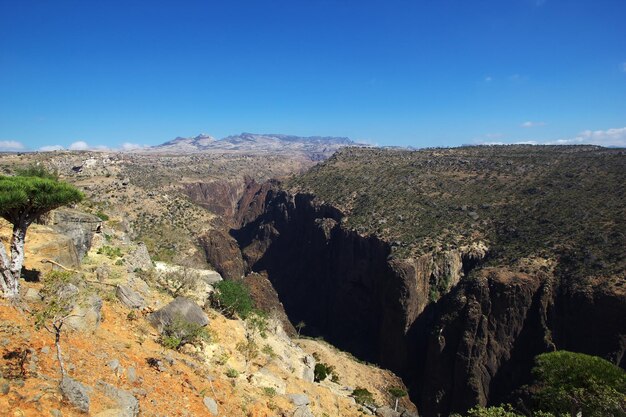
112	351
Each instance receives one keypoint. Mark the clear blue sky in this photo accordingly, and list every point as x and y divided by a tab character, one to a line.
420	73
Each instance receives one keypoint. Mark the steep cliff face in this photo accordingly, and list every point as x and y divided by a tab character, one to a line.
459	333
344	286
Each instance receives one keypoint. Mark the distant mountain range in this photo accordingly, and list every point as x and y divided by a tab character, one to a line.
313	147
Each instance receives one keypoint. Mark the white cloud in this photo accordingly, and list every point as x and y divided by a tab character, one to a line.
488	79
609	137
11	145
80	145
623	66
533	124
127	146
51	148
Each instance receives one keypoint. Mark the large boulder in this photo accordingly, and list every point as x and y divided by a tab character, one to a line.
76	393
127	404
139	258
181	307
78	226
129	297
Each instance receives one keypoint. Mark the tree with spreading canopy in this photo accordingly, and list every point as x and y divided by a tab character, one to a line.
23	199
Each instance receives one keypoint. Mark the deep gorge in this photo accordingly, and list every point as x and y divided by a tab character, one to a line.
474	344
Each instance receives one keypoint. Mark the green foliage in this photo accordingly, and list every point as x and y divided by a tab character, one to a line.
232	373
269	391
37	171
249	349
574	382
109	251
321	371
501	411
269	351
362	396
180	331
103	216
397	392
60	296
232	298
256	322
33	196
524	200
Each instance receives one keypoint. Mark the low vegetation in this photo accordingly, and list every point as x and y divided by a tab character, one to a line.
522	200
232	299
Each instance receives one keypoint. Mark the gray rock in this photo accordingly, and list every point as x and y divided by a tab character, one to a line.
210	405
76	393
32	295
406	413
56	413
139	285
4	386
129	297
308	371
298	399
386	412
86	316
45	350
103	272
78	226
138	259
302	411
127	403
266	379
131	374
181	307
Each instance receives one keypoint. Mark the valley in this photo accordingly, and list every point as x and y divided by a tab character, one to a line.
453	268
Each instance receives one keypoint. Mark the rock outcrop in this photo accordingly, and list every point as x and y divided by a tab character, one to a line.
459	333
222	252
80	227
181	307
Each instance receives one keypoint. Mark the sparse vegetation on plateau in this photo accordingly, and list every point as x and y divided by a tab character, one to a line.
522	200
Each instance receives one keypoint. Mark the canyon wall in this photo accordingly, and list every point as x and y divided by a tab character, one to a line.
456	339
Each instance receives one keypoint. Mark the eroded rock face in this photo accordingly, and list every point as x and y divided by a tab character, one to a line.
78	226
456	341
219	197
341	284
222	252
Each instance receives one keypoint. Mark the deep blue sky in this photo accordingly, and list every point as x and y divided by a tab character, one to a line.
420	73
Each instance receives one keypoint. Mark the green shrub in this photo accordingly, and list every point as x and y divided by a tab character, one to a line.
269	391
321	371
110	251
232	373
232	299
362	396
568	382
180	331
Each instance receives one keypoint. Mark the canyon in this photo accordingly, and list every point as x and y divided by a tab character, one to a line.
453	268
460	323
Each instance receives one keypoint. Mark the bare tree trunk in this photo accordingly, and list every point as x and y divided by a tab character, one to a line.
57	343
6	277
17	255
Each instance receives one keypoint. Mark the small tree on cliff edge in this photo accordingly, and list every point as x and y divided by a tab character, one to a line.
23	198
